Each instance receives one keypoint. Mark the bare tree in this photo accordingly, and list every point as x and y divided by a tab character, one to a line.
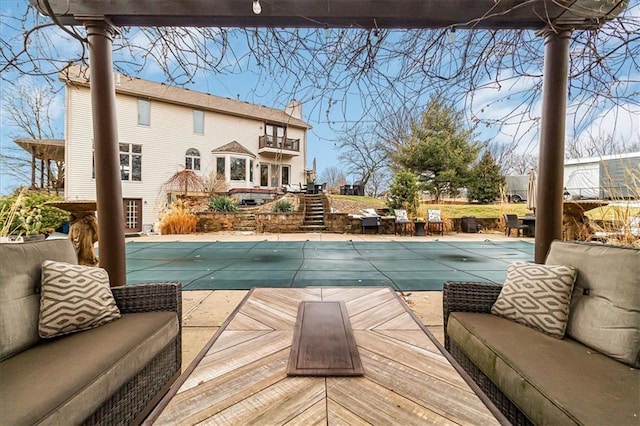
362	154
598	145
521	164
31	111
494	76
334	177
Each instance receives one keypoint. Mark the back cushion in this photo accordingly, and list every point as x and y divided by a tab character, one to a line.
605	306
20	275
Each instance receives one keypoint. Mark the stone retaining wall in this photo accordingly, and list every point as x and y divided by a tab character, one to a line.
217	221
340	223
279	222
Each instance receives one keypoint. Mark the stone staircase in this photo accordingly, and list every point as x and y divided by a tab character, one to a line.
313	213
247	222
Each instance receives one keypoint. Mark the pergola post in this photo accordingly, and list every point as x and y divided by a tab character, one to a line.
33	167
552	136
100	34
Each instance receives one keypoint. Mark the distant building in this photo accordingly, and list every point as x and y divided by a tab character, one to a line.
609	177
606	177
163	129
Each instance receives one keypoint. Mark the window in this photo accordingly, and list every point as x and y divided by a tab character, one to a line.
285	175
275	134
144	109
264	175
192	159
220	167
238	168
198	122
130	162
250	170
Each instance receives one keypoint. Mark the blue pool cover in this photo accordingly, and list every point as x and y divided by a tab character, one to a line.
398	264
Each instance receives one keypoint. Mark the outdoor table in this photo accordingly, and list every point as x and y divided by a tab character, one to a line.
530	221
83	229
240	377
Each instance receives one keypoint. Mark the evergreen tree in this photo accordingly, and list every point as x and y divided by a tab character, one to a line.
440	150
486	181
404	192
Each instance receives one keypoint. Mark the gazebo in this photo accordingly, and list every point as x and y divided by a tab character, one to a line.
554	20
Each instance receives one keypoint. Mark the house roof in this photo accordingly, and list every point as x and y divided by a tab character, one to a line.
79	75
51	149
233	146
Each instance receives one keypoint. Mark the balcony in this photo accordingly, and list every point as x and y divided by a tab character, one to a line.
278	146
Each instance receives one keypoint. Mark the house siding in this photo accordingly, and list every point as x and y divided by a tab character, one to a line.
164	144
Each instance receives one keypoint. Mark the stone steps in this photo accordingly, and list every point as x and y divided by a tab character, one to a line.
247	222
313	213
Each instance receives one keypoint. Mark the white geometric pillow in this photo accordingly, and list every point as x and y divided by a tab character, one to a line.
537	296
74	298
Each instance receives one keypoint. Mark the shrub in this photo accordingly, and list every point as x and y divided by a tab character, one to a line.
404	192
222	204
25	213
179	220
282	206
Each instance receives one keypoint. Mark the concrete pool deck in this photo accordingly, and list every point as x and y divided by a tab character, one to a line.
204	311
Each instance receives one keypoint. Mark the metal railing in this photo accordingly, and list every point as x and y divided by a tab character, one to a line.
285	144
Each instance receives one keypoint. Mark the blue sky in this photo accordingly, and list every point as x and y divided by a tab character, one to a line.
330	104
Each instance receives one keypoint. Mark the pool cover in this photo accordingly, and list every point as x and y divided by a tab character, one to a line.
398	264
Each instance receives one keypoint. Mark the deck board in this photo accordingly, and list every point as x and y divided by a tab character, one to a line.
241	379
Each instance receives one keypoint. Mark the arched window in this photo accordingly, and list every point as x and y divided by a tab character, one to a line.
192	159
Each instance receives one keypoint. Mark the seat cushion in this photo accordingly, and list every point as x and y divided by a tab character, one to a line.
20	273
553	381
605	306
65	379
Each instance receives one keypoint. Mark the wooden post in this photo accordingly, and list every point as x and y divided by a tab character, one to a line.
100	34
552	136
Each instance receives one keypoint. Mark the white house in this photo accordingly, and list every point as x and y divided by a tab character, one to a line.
163	129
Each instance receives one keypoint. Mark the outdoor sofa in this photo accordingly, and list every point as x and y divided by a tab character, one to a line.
588	376
113	372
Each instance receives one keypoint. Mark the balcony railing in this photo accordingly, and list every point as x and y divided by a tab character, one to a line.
279	143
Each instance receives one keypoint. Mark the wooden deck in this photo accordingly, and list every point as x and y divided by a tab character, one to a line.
240	377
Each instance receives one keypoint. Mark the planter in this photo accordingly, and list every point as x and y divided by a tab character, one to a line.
419	227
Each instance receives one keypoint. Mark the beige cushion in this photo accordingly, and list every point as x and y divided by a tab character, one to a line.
605	306
20	272
537	296
63	381
553	381
74	298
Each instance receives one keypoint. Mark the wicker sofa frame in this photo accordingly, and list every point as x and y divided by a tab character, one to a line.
477	297
136	398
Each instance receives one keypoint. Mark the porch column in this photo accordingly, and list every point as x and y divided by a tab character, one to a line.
100	34
552	135
33	167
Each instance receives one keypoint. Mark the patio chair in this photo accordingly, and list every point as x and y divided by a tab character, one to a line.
402	219
435	223
511	222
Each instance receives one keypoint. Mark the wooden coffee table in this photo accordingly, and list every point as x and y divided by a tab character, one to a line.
240	376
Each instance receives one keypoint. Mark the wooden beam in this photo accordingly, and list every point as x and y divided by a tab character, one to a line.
368	14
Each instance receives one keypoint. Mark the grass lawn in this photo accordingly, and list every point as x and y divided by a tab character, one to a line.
484	211
449	210
481	211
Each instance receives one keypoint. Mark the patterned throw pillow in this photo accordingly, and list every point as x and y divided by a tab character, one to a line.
74	298
537	296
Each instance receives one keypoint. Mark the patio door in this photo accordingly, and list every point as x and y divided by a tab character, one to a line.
132	208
